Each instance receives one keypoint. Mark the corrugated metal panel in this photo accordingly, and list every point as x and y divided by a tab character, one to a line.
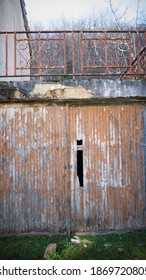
39	185
33	169
113	194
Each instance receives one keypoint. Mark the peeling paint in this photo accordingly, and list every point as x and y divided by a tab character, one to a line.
70	93
39	185
80	88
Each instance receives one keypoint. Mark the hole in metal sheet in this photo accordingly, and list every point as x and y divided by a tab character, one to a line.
80	161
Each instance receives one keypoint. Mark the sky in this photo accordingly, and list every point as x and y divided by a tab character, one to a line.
44	10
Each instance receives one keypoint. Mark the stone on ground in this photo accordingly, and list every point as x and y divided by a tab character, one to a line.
51	249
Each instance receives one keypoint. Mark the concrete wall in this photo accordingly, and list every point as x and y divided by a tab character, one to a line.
11	19
79	89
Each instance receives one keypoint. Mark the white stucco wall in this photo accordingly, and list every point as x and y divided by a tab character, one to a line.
11	19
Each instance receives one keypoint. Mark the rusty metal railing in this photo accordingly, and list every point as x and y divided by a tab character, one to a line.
73	53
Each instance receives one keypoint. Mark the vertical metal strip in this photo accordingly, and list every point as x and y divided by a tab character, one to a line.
14	53
138	53
64	53
6	54
81	53
73	55
39	49
106	53
130	52
68	158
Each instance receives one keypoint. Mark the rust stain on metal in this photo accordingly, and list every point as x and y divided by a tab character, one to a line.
40	188
113	168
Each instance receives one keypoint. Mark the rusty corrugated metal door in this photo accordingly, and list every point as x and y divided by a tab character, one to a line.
71	167
33	169
112	195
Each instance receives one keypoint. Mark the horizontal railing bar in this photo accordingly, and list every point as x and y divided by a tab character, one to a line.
35	68
39	39
88	67
75	31
105	39
61	67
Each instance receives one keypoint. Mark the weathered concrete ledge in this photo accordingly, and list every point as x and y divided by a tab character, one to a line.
69	89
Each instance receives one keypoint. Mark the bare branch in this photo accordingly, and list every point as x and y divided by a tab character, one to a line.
137	13
114	14
114	11
118	6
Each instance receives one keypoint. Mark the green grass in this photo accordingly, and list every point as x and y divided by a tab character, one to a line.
104	247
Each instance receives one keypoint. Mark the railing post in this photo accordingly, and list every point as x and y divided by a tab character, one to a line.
130	51
39	53
14	53
106	53
6	54
73	55
64	53
81	53
138	53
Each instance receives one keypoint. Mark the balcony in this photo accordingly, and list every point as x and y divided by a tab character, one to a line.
47	54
